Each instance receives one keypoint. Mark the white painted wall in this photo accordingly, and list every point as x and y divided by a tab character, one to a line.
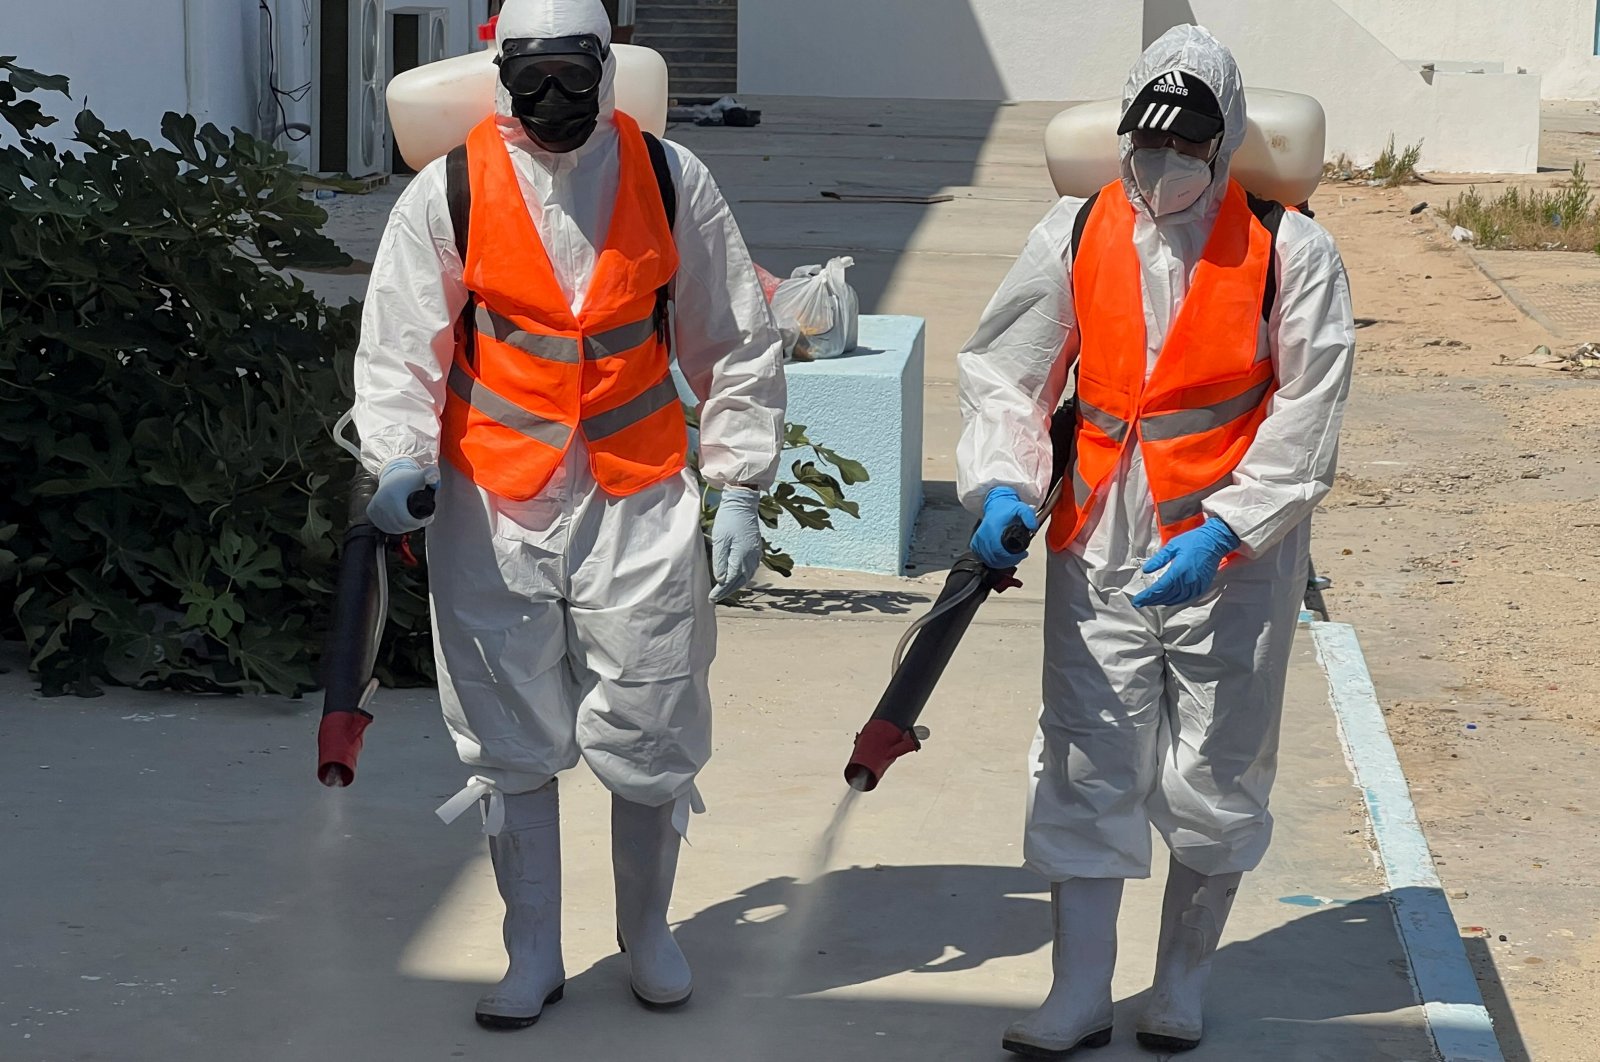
131	61
1077	50
1465	122
937	49
1552	38
126	60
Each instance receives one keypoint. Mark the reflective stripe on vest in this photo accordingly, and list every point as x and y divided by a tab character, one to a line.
505	412
559	348
529	375
599	426
1195	414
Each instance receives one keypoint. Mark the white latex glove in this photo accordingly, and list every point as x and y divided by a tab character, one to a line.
399	480
735	540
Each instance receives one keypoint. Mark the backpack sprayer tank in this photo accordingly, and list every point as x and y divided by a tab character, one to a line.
1281	157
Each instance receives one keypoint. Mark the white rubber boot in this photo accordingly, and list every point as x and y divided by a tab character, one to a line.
1077	1013
644	860
1193	913
527	868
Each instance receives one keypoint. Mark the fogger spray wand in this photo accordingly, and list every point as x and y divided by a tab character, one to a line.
360	609
892	730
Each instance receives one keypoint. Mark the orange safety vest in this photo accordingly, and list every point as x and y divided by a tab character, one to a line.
529	375
1198	411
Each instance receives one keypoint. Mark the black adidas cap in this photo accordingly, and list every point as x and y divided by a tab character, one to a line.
1175	103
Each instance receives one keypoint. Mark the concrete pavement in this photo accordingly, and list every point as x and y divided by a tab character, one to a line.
176	887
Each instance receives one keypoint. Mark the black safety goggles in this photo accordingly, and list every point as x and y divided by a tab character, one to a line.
1156	138
530	65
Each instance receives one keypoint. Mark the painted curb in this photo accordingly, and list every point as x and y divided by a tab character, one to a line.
1452	1005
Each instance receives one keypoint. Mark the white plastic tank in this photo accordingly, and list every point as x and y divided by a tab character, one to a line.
1281	157
432	108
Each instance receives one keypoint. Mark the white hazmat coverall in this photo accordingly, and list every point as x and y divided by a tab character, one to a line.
1167	715
576	623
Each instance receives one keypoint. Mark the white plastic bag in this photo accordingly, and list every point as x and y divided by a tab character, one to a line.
818	311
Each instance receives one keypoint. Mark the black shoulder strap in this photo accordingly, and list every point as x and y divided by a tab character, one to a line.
669	190
1270	213
669	202
458	191
1081	222
458	194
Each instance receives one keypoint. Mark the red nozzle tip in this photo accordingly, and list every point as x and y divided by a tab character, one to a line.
486	31
878	745
338	747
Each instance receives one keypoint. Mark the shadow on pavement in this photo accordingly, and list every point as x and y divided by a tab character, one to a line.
1331	985
798	602
862	924
1506	1029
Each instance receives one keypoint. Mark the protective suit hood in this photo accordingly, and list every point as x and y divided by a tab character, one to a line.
1195	53
554	18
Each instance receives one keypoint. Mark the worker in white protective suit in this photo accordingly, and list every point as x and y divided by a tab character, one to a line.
1212	359
529	381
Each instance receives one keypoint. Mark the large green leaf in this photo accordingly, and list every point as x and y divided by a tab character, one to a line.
247	563
272	659
852	472
140	645
824	486
219	612
778	561
25	80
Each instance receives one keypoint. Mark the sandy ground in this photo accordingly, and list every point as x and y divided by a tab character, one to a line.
1461	541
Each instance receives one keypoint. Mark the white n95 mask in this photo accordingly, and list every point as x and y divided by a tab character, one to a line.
1169	180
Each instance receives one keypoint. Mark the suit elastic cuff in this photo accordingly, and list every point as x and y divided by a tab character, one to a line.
1252	534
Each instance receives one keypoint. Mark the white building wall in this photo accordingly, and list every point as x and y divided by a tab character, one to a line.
1465	122
1552	38
937	49
1077	50
126	60
131	61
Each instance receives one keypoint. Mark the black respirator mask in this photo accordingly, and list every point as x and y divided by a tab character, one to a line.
554	84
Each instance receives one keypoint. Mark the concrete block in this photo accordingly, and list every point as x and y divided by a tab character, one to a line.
867	406
1502	110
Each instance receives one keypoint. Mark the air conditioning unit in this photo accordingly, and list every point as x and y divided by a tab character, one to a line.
437	23
352	127
419	36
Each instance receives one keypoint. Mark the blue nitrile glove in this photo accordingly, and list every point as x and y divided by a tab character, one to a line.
1191	560
735	540
1000	508
399	480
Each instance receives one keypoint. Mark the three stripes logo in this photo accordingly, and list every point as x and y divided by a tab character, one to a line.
1161	115
1172	82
